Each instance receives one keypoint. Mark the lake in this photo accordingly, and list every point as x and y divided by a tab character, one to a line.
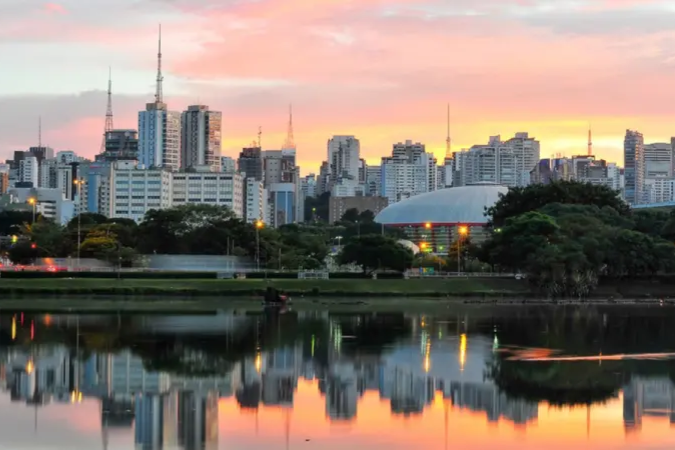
483	377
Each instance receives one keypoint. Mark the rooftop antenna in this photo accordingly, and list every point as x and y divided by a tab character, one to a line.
159	95
448	146
39	131
259	136
590	141
109	112
290	140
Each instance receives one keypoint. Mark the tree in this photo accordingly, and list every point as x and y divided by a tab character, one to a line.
22	253
86	220
350	216
520	200
10	221
375	251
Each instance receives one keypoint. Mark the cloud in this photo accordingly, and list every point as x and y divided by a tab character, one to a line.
54	8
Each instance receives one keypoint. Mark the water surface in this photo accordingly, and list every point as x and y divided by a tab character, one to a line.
470	378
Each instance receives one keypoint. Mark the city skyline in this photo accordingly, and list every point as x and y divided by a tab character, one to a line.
349	78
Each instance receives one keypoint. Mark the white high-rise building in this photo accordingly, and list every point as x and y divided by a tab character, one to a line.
526	150
658	161
159	137
223	189
506	163
408	172
256	201
228	164
343	157
201	137
133	192
29	171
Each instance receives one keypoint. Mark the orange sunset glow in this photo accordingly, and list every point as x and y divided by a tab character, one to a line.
382	70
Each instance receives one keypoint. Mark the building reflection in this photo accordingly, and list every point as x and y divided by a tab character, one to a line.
180	410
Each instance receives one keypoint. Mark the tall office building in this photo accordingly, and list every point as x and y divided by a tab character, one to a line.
250	163
159	129
344	157
120	145
201	137
29	171
634	166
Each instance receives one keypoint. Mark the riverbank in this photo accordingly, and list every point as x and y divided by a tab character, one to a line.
468	289
451	287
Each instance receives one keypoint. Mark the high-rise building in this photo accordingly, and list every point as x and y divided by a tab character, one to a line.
134	192
408	172
159	129
201	137
344	157
250	163
120	145
508	163
29	171
256	201
373	180
526	151
159	137
658	160
4	178
228	164
634	166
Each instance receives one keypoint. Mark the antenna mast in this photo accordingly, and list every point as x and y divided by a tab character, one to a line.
39	131
289	144
590	141
448	148
109	112
159	95
259	136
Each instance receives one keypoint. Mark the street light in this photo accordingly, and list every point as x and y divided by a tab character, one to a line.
33	202
258	225
339	238
462	231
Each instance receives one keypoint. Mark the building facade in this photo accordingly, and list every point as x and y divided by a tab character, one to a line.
634	167
120	145
134	192
344	153
337	206
159	137
200	137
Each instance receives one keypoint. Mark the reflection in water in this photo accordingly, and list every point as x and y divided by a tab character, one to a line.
195	382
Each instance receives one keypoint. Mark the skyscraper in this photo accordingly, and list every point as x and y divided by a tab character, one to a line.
634	166
201	137
250	162
344	157
159	129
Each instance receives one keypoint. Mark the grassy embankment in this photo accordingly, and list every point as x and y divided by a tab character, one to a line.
460	287
475	288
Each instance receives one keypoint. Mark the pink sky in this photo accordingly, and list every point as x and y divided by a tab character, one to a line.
382	70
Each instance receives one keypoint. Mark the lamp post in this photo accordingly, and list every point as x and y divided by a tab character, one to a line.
78	182
258	225
461	231
33	202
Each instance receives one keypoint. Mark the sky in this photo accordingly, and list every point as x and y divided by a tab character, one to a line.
382	70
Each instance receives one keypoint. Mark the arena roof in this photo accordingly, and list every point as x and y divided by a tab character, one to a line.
460	205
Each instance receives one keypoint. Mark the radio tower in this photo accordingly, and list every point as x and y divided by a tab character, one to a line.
289	143
448	147
109	112
159	95
590	141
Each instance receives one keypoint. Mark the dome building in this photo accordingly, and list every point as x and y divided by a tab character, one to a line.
434	220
